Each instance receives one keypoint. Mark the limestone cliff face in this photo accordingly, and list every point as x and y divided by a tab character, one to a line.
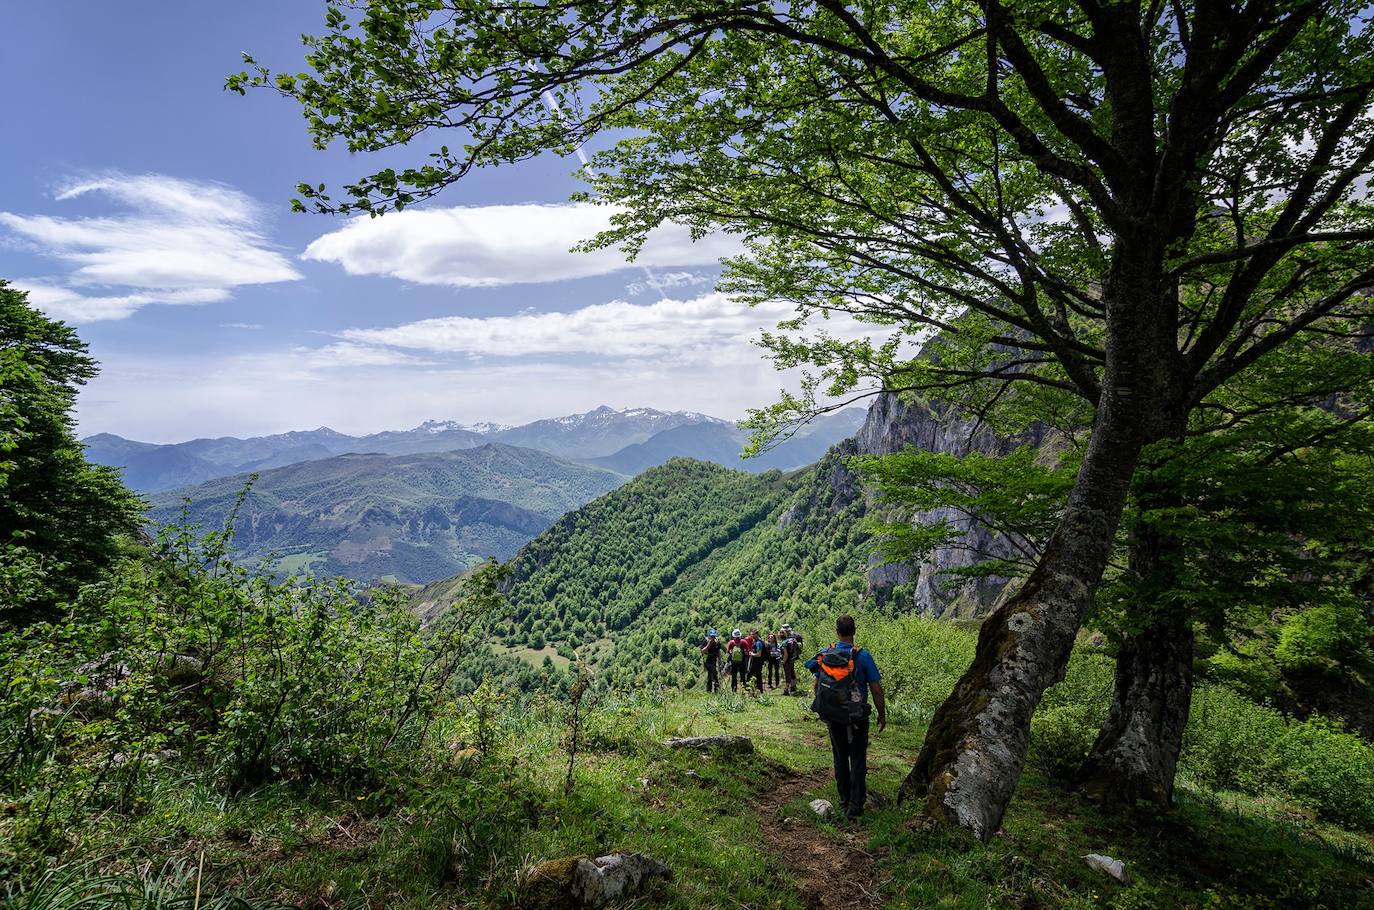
892	426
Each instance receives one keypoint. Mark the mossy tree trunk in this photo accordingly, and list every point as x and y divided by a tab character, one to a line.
976	746
1136	753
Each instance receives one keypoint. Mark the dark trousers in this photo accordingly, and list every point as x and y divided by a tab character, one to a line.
849	749
712	677
774	673
737	676
756	671
789	672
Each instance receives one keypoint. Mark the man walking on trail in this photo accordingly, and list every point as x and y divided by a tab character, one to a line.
844	676
737	651
710	652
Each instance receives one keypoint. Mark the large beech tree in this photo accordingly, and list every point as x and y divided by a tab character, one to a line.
1265	508
1130	201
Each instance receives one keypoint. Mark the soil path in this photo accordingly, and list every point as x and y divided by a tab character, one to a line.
831	866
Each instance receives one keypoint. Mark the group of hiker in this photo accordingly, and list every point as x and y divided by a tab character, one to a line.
844	675
748	658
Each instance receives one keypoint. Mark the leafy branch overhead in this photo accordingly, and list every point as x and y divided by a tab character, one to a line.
953	168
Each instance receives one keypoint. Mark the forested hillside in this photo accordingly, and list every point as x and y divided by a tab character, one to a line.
410	518
632	581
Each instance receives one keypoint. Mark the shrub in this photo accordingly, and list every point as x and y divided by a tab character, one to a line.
187	658
1331	638
1234	744
1060	740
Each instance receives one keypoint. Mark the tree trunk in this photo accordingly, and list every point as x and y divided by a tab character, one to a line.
976	745
1136	753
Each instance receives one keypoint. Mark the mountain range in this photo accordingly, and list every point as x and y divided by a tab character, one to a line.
405	518
626	441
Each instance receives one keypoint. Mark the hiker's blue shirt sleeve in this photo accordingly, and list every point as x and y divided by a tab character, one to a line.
813	664
870	668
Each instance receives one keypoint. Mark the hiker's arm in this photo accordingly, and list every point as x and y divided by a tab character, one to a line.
879	702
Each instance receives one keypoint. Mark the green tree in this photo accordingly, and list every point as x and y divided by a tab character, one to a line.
1262	510
61	518
1130	202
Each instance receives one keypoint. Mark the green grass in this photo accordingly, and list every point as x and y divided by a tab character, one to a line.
456	829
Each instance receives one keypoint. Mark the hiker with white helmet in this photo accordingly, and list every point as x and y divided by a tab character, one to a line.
737	652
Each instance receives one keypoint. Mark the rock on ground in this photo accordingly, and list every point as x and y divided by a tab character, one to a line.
578	882
1108	866
712	743
822	807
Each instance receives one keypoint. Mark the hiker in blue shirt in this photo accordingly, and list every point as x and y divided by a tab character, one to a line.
844	677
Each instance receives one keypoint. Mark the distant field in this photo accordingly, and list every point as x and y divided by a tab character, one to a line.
535	658
300	563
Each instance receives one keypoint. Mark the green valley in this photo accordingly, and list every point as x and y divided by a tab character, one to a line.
407	518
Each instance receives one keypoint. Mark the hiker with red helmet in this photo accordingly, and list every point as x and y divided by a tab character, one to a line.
844	677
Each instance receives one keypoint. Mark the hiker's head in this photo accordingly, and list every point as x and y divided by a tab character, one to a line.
711	634
844	626
737	634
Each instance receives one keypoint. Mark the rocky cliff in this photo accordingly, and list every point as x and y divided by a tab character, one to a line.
892	426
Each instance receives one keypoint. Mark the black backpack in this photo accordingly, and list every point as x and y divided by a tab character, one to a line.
838	699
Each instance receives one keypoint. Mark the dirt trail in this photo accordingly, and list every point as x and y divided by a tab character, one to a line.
831	868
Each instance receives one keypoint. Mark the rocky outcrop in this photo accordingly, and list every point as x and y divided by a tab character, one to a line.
893	425
576	882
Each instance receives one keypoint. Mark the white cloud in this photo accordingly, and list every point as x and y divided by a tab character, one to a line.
345	355
73	306
172	242
617	329
486	246
664	281
246	326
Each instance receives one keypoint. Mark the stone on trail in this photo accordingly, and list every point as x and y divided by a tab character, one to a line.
577	882
712	743
1108	866
822	807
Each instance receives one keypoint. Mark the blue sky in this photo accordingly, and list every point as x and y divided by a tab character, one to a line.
148	207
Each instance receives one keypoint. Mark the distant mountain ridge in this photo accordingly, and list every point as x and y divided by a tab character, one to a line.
722	442
628	440
409	518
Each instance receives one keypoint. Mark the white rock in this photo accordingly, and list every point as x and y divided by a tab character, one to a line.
1105	864
822	807
599	881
